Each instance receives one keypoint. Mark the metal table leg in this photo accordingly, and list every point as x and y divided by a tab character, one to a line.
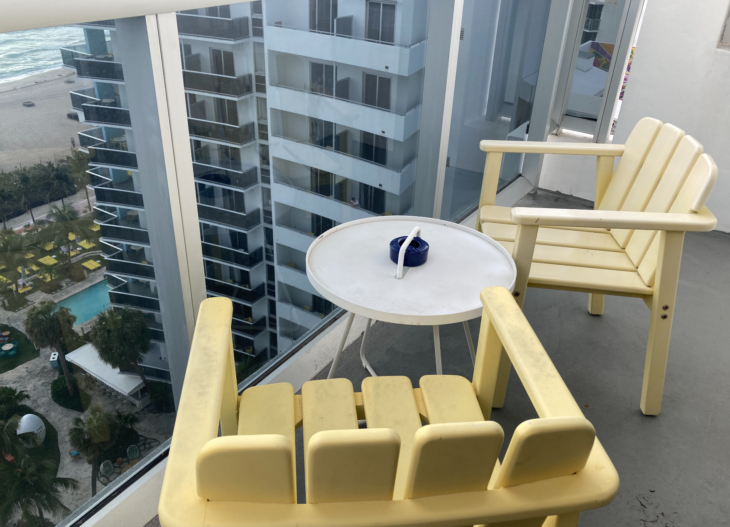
469	341
437	346
336	360
365	362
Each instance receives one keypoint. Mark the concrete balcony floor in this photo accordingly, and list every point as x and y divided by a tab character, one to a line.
673	467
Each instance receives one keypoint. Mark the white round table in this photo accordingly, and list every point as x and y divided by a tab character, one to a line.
350	266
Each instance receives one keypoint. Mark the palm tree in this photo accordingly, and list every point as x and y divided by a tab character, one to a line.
8	199
28	485
121	337
89	438
10	401
25	188
66	222
13	248
79	163
10	443
44	328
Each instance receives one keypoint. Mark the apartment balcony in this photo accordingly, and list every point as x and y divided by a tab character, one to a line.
90	138
212	28
394	179
156	331
228	218
346	112
121	263
119	194
308	200
235	292
109	154
135	294
222	133
291	275
220	85
99	69
249	327
107	112
83	96
229	178
125	231
299	314
394	59
70	53
226	255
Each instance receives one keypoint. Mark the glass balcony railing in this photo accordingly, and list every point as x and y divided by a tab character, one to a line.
218	84
235	292
130	268
226	177
99	69
109	195
99	113
224	254
230	218
126	231
249	328
156	333
99	23
91	137
212	27
102	155
119	296
227	133
83	96
70	53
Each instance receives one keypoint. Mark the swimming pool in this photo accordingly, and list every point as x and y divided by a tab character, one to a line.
88	303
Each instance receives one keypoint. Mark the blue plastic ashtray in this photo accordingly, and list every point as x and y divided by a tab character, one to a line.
416	253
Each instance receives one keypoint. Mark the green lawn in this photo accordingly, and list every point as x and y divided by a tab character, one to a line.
26	349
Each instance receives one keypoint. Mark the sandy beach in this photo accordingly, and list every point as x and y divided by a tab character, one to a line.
42	132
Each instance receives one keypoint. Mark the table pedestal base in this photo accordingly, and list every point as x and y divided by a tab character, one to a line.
366	364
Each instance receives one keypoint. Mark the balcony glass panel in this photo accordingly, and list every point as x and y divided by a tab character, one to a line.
130	268
99	69
234	292
237	135
106	194
91	137
218	84
122	297
110	115
223	237
83	96
226	177
235	257
212	27
126	231
227	217
102	155
69	53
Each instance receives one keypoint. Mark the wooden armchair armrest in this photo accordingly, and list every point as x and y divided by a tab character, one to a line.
702	221
539	147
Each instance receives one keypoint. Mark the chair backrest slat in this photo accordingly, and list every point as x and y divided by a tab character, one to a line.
352	465
684	158
649	175
453	458
636	149
691	198
546	448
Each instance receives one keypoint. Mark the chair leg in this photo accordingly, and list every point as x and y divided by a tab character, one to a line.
595	304
662	314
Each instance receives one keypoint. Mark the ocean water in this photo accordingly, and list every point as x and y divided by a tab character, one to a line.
24	53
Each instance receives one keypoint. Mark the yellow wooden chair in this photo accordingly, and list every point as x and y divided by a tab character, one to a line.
630	245
396	472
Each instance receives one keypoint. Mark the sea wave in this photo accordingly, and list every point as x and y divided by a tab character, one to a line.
25	53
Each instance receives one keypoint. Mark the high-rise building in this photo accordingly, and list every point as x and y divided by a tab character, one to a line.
301	116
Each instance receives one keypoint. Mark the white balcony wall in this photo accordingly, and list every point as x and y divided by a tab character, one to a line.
293	277
297	315
397	60
378	176
291	238
369	119
327	207
410	17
